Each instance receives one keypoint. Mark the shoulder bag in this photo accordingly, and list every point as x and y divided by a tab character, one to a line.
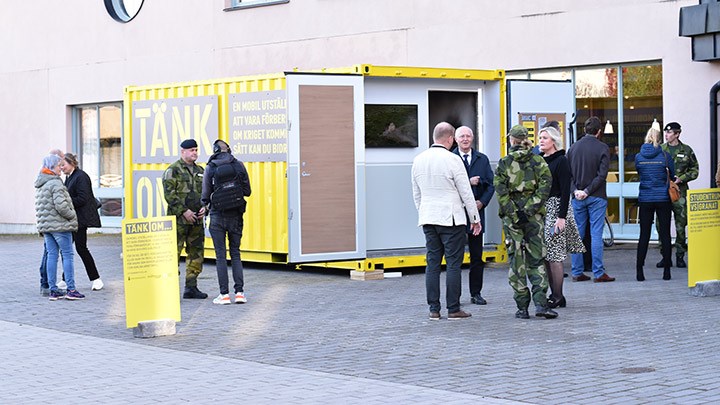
673	188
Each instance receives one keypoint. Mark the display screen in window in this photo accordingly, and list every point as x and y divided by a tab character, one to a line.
391	126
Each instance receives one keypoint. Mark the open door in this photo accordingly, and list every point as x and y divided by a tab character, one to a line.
533	102
326	167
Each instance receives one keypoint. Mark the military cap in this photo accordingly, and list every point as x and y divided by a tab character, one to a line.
518	132
673	126
188	144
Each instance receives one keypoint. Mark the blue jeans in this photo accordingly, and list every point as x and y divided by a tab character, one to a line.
56	243
448	241
43	269
590	209
232	226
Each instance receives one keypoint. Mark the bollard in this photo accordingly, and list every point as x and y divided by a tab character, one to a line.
706	289
158	327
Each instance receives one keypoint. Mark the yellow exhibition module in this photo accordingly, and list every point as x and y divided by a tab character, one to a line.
329	154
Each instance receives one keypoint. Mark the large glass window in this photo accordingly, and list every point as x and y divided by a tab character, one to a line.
97	142
596	95
628	99
642	103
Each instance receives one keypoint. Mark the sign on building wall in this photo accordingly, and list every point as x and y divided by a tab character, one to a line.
159	126
258	126
703	209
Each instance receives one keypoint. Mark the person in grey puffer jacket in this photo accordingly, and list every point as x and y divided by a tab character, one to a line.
56	221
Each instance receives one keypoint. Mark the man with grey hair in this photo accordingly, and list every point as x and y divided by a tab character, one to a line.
443	197
478	169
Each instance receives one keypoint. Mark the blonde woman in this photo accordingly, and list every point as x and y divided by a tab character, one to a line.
653	198
561	234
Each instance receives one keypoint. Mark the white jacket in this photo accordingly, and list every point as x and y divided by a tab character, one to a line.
441	189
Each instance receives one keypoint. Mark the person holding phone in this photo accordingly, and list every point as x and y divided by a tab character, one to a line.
561	235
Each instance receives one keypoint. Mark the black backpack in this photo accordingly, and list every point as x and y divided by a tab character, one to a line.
227	189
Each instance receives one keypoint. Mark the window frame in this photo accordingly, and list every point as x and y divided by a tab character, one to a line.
77	147
231	5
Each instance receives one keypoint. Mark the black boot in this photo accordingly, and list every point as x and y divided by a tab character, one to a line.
661	264
640	275
545	312
193	292
522	314
680	262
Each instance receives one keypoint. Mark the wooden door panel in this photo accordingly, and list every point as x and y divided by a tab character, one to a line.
327	169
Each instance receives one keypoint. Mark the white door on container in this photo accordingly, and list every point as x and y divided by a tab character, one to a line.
547	99
326	167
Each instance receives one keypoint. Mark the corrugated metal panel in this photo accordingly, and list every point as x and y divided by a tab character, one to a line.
266	225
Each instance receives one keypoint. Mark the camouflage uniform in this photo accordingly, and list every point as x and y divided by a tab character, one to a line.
182	185
522	184
686	169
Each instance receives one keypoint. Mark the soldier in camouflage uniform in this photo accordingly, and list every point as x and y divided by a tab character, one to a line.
522	183
686	170
182	184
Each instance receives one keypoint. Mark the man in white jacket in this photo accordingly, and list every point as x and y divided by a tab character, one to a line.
442	194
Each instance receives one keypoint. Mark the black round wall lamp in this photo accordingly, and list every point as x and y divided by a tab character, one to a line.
123	11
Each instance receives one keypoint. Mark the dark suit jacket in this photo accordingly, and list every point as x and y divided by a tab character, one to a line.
480	166
80	188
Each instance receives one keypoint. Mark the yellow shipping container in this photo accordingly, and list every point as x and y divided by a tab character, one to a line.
328	153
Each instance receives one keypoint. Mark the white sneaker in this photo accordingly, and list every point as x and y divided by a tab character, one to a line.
62	285
222	299
240	298
97	285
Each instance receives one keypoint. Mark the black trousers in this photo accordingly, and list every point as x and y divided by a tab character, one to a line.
82	250
477	265
647	214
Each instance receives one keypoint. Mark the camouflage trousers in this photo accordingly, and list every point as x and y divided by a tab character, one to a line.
679	209
525	252
192	237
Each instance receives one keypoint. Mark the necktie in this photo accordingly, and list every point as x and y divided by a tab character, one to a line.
467	161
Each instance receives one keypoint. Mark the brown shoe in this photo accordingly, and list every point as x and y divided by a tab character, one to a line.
581	277
434	316
604	279
459	315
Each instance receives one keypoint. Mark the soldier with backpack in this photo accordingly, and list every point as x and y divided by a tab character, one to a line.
225	185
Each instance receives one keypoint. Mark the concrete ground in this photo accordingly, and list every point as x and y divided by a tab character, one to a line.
318	337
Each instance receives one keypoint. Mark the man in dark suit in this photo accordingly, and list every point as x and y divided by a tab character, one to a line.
481	176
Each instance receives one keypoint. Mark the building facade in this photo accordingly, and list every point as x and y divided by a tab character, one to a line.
65	66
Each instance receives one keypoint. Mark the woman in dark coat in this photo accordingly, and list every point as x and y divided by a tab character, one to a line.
80	188
560	233
652	165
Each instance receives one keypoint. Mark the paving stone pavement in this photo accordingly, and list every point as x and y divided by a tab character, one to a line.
319	337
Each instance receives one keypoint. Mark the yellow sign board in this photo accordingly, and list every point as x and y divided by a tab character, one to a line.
703	211
150	269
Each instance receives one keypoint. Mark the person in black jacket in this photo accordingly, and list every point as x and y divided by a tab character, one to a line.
80	188
481	177
560	234
589	159
225	174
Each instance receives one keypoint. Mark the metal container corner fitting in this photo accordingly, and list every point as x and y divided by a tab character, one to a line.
329	154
